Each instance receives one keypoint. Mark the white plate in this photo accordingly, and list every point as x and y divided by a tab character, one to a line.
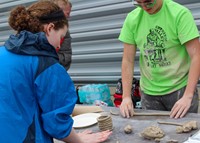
85	120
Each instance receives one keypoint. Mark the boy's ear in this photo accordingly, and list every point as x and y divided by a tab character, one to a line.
48	28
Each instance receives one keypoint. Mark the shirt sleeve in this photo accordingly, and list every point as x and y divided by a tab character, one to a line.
187	29
127	32
56	97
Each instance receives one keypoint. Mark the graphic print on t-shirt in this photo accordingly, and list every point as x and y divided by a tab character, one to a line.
154	49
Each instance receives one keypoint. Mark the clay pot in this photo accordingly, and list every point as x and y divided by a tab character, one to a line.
105	122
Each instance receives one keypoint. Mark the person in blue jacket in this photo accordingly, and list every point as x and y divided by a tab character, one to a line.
34	106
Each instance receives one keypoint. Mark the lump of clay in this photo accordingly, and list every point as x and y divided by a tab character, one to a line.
187	127
152	132
158	140
128	129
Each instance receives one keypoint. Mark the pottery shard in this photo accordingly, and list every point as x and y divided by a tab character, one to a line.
187	127
172	141
128	129
152	132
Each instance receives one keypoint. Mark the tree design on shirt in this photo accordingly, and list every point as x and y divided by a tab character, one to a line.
154	49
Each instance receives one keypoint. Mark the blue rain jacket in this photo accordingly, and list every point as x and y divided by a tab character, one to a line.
37	96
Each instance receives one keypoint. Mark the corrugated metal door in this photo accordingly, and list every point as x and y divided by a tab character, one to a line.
95	27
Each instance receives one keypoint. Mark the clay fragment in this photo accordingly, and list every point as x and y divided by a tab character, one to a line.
128	129
152	133
172	141
157	140
182	128
187	127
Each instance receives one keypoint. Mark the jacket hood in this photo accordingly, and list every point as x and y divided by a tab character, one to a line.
27	43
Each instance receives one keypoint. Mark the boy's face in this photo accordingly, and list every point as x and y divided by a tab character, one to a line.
145	3
150	6
66	8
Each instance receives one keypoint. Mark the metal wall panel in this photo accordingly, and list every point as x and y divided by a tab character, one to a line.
5	7
94	27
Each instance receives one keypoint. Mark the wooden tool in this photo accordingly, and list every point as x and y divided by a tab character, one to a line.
86	109
184	127
170	123
143	113
151	114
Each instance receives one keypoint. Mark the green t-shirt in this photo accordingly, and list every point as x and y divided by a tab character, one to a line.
164	61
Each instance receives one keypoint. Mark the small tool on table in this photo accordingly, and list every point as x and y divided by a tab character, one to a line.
143	113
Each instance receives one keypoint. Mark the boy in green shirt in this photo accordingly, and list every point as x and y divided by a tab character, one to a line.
167	37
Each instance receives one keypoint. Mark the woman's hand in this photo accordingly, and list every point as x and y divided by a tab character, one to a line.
88	136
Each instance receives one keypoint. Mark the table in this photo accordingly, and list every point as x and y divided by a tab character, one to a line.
141	122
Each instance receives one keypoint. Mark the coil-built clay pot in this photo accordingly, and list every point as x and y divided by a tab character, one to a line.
105	122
